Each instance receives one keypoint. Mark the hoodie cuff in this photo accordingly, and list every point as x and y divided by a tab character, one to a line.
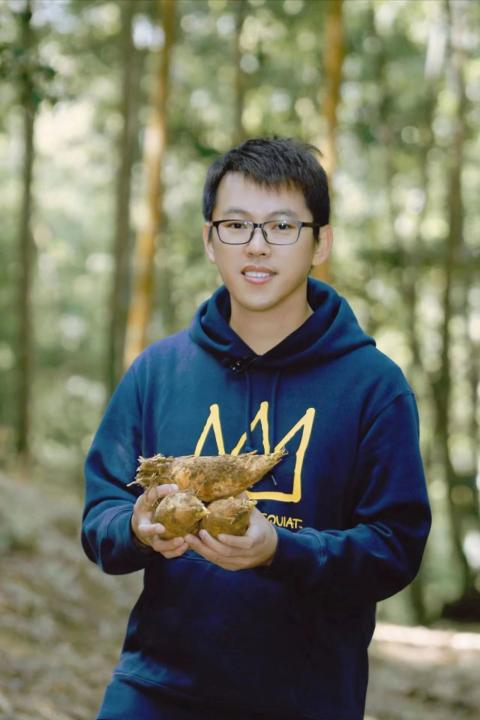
127	545
299	556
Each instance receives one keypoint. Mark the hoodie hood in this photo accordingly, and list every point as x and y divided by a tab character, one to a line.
331	331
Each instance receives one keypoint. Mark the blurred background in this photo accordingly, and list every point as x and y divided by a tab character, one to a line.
110	113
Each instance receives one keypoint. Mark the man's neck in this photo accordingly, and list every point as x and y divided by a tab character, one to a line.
262	331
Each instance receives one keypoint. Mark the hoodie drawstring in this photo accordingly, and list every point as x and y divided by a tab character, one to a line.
273	415
248	412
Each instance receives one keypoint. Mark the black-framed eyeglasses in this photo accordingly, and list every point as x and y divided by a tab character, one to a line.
275	232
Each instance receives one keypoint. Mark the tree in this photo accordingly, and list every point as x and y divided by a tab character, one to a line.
239	133
147	241
121	244
333	62
452	261
26	246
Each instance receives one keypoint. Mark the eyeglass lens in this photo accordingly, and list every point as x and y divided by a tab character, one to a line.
240	231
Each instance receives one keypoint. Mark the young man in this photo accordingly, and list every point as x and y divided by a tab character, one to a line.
274	624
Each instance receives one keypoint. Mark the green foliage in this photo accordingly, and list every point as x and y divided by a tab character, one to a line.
20	65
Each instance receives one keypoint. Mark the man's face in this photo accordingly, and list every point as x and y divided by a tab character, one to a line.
284	268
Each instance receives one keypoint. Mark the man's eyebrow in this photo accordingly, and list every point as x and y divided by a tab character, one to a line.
283	211
279	211
236	210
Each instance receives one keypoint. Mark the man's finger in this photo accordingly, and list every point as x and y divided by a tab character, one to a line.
151	529
240	542
157	492
168	546
197	544
214	545
218	546
228	559
175	553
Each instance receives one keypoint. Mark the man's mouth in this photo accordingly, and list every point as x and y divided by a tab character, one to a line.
252	272
259	275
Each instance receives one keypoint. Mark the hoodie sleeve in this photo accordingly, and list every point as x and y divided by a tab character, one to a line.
111	463
381	550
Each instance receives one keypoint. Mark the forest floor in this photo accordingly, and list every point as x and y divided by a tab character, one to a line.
62	623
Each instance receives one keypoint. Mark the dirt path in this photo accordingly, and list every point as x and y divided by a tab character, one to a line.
420	673
62	623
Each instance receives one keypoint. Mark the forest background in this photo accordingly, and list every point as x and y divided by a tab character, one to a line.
111	112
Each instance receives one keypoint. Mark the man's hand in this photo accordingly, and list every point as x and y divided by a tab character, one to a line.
232	552
150	533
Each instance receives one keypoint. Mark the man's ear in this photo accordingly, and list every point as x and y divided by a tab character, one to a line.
207	242
323	246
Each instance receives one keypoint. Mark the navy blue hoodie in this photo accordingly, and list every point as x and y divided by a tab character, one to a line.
348	500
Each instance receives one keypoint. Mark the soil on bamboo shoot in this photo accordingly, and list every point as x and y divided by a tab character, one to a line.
208	477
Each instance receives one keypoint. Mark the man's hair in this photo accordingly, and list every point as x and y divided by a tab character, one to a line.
274	162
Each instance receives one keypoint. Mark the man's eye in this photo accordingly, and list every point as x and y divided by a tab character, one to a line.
281	226
235	225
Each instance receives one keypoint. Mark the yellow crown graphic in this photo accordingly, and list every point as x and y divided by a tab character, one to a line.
303	425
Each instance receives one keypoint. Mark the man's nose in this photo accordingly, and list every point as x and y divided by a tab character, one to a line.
258	244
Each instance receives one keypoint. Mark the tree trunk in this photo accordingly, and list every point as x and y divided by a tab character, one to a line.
454	243
411	275
239	128
334	51
26	247
416	591
121	243
411	272
146	242
474	381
